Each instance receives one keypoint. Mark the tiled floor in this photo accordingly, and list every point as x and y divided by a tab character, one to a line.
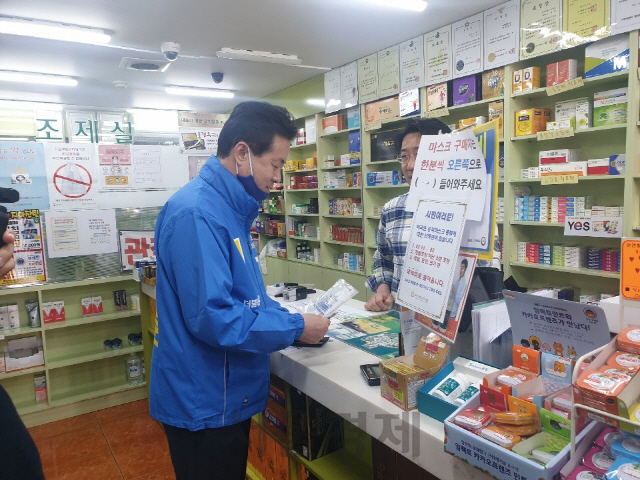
119	443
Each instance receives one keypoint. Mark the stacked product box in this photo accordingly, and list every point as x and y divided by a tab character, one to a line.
336	179
299	182
607	260
375	179
533	208
573	256
350	261
345	206
606	56
530	172
347	234
557	256
560	72
500	210
610	107
467	89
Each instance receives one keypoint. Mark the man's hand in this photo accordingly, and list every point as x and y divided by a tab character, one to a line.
6	254
381	300
315	327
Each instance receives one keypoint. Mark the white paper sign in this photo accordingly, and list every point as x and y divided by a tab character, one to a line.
389	72
450	167
625	16
349	85
502	35
412	64
81	232
435	234
368	78
332	90
540	27
467	46
605	227
72	174
147	166
438	56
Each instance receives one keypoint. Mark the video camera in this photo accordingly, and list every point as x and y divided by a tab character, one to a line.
7	195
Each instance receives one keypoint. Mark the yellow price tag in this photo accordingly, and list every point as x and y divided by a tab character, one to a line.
565	86
373	126
559	179
559	133
440	112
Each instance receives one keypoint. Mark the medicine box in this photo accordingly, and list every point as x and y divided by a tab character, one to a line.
610	107
466	90
493	83
583	113
40	387
569	168
607	56
531	121
380	110
353	117
566	111
375	179
563	155
598	166
530	78
23	353
53	312
4	317
333	124
567	70
516	81
496	112
354	141
616	164
401	379
437	96
439	409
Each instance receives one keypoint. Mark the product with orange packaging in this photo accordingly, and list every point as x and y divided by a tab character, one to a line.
530	78
504	380
629	339
599	389
531	121
526	358
625	360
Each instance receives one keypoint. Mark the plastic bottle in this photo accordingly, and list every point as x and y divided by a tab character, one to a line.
134	370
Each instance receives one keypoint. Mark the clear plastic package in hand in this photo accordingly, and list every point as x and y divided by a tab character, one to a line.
332	299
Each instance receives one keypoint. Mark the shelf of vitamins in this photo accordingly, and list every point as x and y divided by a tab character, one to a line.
606	260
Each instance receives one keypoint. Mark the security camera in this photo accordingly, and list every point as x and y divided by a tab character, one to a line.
170	50
217	77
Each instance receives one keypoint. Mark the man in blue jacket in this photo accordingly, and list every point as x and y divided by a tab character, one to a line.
216	326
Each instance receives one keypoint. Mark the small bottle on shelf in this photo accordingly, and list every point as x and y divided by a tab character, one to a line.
134	369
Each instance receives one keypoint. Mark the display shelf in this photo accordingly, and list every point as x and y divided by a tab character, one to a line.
338	133
341	216
339	167
74	322
342	269
373	246
303	170
348	244
102	392
24	371
306	239
577	270
471	105
304	145
294	190
29	407
603	82
536	224
272	236
393	161
390	122
373	217
303	214
337	189
580	179
636	228
75	360
16	332
84	283
337	465
380	187
295	260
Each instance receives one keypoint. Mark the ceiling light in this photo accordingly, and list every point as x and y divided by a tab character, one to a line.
199	92
415	5
316	102
257	56
52	31
39	78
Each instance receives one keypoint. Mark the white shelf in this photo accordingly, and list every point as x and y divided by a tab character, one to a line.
24	371
576	270
75	322
304	145
76	360
580	179
338	133
292	190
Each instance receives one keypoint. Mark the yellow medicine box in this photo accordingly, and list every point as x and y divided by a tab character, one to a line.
531	121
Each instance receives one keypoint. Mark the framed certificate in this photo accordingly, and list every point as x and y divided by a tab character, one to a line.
438	58
389	72
502	35
467	46
585	21
368	78
412	64
540	27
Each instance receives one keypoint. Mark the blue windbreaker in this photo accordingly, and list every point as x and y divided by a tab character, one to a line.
216	326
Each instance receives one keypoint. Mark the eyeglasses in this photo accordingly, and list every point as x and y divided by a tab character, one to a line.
405	158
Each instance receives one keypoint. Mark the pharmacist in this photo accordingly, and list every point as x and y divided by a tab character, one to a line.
395	222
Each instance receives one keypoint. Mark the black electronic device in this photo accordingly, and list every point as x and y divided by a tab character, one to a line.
371	373
7	195
298	343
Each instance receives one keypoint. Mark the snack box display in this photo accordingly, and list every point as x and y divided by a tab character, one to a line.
607	56
479	452
466	90
438	408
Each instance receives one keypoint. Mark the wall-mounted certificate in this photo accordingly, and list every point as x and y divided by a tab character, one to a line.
625	16
411	64
332	91
502	34
389	72
438	59
368	78
349	84
467	46
585	21
540	27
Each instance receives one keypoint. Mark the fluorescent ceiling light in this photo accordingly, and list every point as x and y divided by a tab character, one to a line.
316	102
257	56
52	30
39	78
415	5
199	92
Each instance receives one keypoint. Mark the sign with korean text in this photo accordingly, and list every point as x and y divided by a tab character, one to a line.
49	126
564	328
22	167
553	134
585	21
540	27
565	86
82	127
435	239
115	166
604	227
447	326
559	179
135	245
147	166
81	232
440	112
630	269
625	16
28	250
199	132
450	167
72	175
115	127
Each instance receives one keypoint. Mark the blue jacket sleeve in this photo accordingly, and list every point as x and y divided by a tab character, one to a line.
212	290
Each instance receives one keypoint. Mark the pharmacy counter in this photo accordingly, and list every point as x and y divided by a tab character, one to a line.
331	375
